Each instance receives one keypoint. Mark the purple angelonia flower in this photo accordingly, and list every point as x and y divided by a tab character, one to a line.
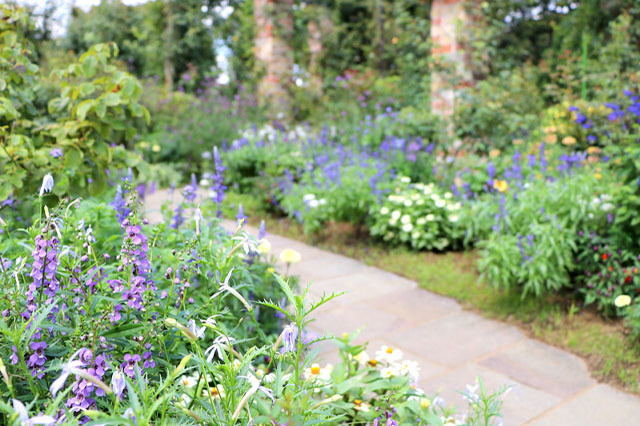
289	337
118	383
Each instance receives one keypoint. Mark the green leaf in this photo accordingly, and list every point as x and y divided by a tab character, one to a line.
58	104
73	158
111	99
84	107
89	66
99	184
101	109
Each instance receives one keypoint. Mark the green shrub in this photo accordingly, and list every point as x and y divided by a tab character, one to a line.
423	216
528	238
498	110
95	108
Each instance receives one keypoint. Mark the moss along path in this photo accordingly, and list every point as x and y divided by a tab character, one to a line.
452	346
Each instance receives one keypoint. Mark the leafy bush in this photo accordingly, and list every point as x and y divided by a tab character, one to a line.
499	110
528	237
188	126
340	190
423	216
605	271
95	107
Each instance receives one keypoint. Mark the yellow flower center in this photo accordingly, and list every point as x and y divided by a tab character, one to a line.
425	403
373	362
357	402
389	350
315	370
214	392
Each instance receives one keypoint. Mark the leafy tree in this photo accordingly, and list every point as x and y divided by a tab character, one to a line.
161	37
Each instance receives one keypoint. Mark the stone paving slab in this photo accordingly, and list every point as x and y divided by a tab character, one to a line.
472	336
600	405
361	286
543	367
551	386
521	403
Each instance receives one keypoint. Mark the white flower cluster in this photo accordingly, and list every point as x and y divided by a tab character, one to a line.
417	213
313	202
391	363
603	202
271	134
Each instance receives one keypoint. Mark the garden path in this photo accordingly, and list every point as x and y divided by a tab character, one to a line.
452	346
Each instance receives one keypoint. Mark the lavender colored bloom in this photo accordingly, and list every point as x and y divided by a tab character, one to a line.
56	153
217	181
37	359
119	204
262	232
543	160
429	148
491	171
130	364
190	191
240	216
14	355
289	337
118	383
177	219
43	272
25	420
148	360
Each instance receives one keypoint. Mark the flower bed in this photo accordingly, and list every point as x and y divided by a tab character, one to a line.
108	319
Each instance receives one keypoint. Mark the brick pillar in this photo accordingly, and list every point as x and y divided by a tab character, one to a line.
314	41
448	18
274	30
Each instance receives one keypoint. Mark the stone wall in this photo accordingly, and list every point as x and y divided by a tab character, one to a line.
448	20
274	55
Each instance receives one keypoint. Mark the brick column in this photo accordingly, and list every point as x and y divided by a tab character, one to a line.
448	18
274	30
